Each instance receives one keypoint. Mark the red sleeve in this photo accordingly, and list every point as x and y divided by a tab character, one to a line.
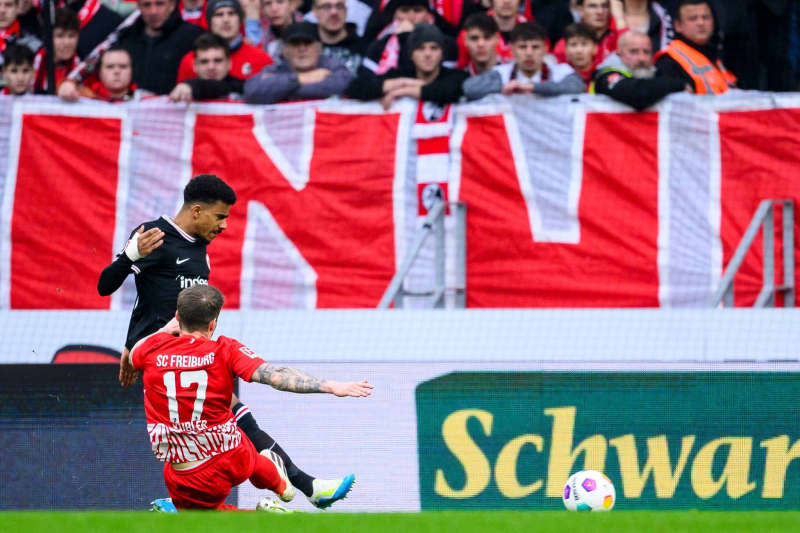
265	60
240	359
463	52
186	68
560	51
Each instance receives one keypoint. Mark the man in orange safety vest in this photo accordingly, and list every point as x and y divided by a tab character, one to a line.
693	55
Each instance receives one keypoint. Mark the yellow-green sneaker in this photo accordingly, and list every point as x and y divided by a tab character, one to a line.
327	491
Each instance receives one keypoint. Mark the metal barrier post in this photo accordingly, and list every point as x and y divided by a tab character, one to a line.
461	255
766	298
440	262
788	253
763	219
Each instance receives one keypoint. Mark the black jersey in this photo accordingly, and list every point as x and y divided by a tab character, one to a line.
181	261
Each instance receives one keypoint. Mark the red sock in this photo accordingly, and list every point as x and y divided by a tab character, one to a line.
265	476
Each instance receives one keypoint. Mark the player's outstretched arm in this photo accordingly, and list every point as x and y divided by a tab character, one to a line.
141	244
292	380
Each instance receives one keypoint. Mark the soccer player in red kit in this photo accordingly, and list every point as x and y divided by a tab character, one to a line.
188	383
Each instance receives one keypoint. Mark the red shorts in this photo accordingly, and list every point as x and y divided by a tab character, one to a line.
206	486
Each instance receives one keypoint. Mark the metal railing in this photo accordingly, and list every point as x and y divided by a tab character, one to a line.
434	224
764	218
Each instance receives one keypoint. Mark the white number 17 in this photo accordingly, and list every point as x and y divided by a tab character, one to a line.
187	379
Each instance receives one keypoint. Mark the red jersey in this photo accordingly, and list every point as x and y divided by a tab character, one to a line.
246	61
188	383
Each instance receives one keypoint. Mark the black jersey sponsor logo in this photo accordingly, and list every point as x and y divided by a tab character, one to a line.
190	282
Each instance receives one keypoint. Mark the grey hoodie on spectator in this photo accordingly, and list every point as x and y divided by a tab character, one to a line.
278	83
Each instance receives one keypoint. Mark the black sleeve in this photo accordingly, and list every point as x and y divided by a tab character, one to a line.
446	89
367	85
112	277
637	93
214	89
376	22
666	67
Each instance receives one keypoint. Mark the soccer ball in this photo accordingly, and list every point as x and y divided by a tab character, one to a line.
589	490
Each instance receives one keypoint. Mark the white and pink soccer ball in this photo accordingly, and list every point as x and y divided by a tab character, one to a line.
589	490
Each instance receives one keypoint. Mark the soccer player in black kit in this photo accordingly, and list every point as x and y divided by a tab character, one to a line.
169	254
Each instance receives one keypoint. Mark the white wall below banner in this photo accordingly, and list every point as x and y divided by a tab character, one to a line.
452	336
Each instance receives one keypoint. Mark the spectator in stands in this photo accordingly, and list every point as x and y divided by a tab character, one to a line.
427	80
212	64
481	38
391	52
65	45
553	15
649	17
28	18
529	73
96	22
225	18
157	42
10	31
581	49
387	16
358	13
304	73
628	75
194	12
339	38
266	21
506	15
693	56
18	70
114	82
596	15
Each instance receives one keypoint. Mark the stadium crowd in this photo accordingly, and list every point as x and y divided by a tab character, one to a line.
440	51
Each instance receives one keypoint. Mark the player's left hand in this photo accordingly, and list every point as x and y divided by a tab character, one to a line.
127	374
357	389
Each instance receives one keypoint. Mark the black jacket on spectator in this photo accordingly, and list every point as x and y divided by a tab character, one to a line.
349	50
554	16
666	67
445	89
29	22
369	86
97	29
215	89
640	93
156	59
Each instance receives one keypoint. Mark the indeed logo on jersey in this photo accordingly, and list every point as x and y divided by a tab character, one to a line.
184	361
191	282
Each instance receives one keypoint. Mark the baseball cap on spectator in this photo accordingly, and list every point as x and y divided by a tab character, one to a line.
424	33
213	5
300	31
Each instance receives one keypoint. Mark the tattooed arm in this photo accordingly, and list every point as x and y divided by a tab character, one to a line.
292	380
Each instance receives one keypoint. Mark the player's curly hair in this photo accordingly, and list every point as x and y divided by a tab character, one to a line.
198	305
208	189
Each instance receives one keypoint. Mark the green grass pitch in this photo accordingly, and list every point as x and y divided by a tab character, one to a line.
427	522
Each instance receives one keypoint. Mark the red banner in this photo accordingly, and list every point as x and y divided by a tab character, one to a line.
568	204
62	228
760	160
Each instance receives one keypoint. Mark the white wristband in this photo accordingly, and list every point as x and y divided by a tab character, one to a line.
132	248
